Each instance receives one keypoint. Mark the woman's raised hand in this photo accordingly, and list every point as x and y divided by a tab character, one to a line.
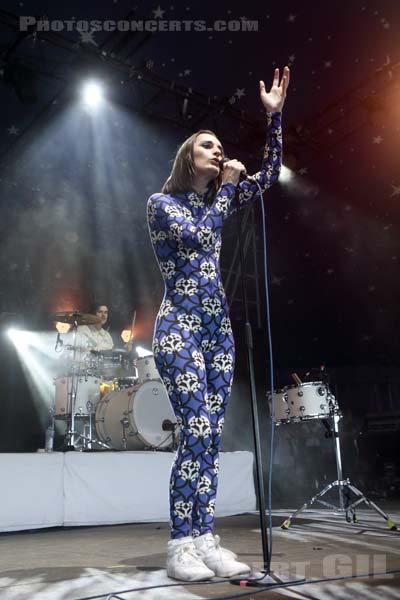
274	100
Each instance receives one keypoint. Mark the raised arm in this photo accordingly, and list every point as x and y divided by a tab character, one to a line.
271	163
273	102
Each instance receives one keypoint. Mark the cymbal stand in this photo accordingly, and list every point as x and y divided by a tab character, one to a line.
349	496
89	440
69	440
72	433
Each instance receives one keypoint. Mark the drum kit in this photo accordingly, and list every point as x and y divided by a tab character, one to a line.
306	401
108	399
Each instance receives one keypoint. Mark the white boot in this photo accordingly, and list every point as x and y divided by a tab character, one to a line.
184	562
219	561
224	551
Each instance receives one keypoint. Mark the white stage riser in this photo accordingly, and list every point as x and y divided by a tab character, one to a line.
78	488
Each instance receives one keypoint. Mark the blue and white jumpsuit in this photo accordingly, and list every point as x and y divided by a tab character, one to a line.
193	343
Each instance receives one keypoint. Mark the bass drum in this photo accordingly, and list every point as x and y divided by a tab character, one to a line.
133	418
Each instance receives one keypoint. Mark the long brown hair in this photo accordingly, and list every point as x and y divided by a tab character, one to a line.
183	172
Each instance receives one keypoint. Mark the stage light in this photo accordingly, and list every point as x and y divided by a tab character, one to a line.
92	94
142	352
62	327
126	335
286	174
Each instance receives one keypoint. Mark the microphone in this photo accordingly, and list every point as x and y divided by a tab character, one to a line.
243	174
59	342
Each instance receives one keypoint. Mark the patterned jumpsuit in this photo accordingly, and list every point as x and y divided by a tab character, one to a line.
193	343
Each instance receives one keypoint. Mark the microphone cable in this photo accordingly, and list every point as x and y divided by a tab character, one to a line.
271	366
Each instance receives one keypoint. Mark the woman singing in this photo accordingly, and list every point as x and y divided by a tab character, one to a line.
193	343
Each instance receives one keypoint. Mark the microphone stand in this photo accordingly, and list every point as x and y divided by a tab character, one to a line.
265	577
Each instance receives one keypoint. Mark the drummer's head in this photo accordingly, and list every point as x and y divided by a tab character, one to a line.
100	310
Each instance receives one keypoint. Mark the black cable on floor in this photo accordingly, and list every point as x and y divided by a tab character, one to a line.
250	591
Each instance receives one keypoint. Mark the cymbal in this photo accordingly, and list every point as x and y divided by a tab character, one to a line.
72	316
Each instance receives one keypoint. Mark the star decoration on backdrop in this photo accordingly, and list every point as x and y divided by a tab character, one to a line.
377	139
366	338
395	190
276	280
240	92
13	130
386	64
87	38
158	12
291	18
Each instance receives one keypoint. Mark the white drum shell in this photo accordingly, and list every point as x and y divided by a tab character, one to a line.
146	369
87	395
311	400
132	418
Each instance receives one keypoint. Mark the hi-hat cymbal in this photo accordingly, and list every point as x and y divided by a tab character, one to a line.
75	316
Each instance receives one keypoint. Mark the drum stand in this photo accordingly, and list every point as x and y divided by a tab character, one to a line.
349	496
71	435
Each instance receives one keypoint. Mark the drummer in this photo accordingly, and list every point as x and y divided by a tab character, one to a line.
96	337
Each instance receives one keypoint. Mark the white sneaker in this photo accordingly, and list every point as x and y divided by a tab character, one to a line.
219	561
184	562
224	551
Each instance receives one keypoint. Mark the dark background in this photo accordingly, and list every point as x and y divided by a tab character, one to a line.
74	185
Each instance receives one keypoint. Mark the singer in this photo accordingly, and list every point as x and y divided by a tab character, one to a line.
193	343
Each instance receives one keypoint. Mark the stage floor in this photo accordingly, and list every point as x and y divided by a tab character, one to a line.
74	563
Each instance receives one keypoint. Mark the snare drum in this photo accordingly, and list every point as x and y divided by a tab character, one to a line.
306	401
133	418
87	395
